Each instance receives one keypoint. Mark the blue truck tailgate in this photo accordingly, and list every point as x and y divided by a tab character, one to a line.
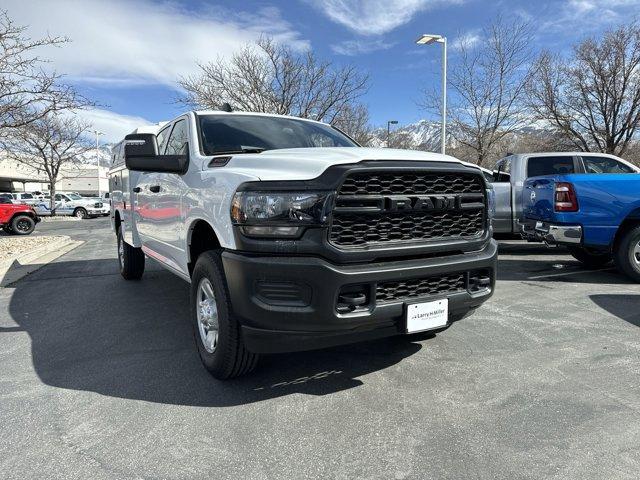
604	201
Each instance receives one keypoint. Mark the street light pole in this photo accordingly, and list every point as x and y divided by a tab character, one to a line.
428	39
389	123
98	133
443	134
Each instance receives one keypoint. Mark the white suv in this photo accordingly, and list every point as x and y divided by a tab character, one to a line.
293	237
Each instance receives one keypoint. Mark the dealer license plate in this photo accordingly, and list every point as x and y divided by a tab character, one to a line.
427	315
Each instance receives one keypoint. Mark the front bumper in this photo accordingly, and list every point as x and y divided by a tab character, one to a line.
287	303
553	234
96	212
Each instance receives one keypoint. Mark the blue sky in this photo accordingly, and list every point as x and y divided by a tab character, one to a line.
127	55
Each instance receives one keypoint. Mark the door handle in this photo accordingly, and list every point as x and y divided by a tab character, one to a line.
137	190
154	188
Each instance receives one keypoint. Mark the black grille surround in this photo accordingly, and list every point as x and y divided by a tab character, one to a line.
420	287
432	286
378	208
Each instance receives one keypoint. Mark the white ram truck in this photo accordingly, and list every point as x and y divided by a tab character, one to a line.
293	237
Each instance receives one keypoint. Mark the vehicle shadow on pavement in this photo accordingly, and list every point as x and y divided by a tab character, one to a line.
625	307
521	247
557	270
92	331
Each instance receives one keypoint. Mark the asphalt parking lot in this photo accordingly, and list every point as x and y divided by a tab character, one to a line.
99	378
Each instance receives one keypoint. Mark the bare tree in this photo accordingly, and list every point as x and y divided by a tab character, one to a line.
487	84
592	98
28	91
272	78
47	144
354	121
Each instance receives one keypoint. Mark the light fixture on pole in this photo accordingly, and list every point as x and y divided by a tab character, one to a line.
389	123
98	133
428	39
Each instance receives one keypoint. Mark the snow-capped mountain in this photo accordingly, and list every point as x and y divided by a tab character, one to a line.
89	157
425	134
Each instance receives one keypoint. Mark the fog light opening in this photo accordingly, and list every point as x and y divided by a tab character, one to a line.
352	298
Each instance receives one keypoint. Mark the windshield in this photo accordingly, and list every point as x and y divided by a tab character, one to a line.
73	196
236	133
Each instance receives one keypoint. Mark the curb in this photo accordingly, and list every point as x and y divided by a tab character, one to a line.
13	270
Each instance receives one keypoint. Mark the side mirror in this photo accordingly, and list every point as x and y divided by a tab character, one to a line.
141	155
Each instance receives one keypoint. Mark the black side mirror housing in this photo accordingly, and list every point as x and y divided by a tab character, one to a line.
141	155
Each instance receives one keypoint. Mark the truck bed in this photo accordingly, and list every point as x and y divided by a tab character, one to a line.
604	202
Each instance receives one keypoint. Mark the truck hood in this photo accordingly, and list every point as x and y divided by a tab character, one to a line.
308	163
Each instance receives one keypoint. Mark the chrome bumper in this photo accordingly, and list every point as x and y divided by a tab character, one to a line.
550	233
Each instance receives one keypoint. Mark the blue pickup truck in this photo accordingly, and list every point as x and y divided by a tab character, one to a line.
596	215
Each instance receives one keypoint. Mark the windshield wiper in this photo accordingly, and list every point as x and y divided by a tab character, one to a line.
240	150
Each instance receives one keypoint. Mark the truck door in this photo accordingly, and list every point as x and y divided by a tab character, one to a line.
63	205
502	222
145	198
161	217
168	226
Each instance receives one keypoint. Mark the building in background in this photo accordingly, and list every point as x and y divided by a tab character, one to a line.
82	178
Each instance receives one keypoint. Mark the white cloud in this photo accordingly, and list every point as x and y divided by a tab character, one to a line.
123	42
467	40
375	17
114	125
588	15
357	47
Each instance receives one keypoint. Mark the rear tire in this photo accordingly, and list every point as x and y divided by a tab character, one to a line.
628	254
22	225
130	259
590	258
216	332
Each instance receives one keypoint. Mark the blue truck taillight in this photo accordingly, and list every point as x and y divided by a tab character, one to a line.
565	198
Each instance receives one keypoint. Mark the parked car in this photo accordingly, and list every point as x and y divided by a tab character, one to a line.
73	204
511	172
293	237
597	216
17	219
8	196
26	198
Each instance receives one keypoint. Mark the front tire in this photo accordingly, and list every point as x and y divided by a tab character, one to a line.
80	213
22	225
216	331
130	259
589	258
628	254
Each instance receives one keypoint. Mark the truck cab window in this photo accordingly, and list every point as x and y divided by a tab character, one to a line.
502	173
556	165
177	139
604	165
163	137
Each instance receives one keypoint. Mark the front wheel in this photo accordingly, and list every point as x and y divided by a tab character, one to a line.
80	213
22	225
130	259
589	258
628	254
216	331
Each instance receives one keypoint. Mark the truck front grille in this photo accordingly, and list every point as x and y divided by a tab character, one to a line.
378	208
421	287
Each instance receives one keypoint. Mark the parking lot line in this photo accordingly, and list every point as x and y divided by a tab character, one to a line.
575	272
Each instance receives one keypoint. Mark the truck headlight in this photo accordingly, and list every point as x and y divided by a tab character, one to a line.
278	214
